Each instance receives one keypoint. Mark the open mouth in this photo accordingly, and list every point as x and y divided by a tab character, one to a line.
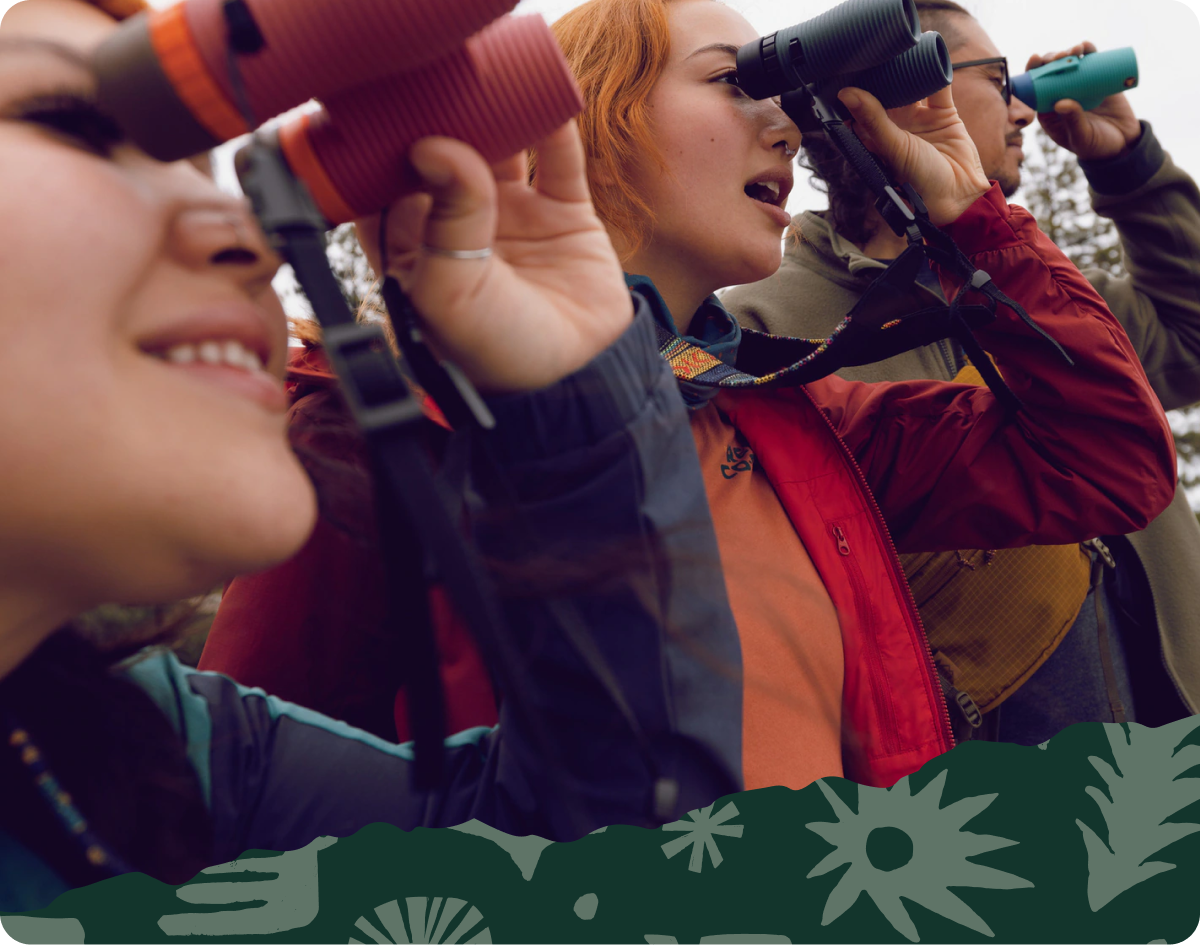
227	352
768	192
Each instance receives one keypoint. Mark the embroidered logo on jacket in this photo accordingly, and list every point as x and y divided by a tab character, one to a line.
738	459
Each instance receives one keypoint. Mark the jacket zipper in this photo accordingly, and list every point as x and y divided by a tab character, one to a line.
874	661
931	679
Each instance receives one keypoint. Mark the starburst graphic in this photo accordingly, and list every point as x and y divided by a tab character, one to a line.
926	853
421	929
700	835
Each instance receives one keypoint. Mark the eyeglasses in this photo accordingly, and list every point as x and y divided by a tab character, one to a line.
1006	89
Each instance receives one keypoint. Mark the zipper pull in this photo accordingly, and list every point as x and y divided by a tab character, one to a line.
843	545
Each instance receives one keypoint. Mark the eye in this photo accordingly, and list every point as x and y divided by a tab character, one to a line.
728	78
74	117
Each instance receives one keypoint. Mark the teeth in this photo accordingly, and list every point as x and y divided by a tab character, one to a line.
229	352
210	352
773	187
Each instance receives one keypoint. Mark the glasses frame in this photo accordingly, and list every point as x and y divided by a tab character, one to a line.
1003	61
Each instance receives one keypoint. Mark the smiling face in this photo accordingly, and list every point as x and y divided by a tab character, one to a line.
718	202
996	128
145	456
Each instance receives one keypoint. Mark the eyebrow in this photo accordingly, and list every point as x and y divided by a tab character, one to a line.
714	47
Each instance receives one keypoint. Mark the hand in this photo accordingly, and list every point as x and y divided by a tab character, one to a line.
927	146
549	299
291	899
1107	131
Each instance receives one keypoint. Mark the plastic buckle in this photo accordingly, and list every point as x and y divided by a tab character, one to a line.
370	379
1099	548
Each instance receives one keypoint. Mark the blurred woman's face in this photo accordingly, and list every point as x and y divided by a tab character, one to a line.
142	413
718	205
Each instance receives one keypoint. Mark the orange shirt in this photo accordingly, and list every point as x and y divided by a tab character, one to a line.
791	641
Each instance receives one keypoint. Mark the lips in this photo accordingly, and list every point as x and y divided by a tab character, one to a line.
770	190
225	346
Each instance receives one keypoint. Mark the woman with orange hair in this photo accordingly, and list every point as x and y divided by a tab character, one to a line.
813	488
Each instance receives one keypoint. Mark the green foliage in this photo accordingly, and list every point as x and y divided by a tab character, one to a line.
1144	791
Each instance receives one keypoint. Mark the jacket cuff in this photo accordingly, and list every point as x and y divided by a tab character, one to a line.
586	407
984	227
1125	174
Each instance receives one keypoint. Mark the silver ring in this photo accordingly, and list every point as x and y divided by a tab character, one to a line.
457	253
789	153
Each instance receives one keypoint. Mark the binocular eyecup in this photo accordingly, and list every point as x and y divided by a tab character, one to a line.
851	37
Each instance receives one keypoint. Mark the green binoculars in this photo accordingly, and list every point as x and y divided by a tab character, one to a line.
1089	79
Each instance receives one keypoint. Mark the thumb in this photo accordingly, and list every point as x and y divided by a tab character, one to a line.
463	215
874	126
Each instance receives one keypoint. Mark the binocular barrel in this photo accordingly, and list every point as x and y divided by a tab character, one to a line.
1089	79
165	75
504	89
907	78
853	36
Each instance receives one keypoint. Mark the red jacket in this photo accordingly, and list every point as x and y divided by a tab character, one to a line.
946	468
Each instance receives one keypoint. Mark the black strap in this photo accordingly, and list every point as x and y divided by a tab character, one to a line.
904	211
1103	632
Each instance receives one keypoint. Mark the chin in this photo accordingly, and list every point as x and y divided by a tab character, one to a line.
753	268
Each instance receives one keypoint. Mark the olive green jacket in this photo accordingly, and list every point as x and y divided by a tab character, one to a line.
1156	209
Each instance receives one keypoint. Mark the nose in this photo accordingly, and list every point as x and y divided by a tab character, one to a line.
223	236
779	131
1019	113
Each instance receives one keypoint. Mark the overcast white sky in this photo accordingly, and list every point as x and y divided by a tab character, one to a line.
1164	33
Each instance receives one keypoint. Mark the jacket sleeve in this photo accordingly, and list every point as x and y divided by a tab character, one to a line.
605	475
1156	208
1090	453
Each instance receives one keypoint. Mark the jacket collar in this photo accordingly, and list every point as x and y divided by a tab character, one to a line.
712	329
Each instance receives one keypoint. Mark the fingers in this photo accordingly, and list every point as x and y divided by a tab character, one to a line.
874	126
1081	49
1068	108
515	168
562	166
405	229
463	213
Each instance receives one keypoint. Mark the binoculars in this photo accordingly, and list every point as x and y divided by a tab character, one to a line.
874	45
182	80
1089	79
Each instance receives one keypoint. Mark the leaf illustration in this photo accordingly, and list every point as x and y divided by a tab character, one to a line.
1142	794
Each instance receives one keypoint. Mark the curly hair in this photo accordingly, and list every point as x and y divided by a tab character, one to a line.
850	200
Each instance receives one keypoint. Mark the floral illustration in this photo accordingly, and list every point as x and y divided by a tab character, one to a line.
903	845
701	833
1142	793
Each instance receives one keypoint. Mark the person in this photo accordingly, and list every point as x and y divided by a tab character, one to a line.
1024	633
810	486
136	472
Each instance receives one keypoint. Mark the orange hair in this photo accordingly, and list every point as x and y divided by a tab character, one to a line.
617	50
120	9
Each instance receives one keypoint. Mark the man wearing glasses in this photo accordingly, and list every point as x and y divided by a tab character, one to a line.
1030	640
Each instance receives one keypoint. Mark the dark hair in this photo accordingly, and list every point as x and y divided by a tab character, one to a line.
850	201
114	753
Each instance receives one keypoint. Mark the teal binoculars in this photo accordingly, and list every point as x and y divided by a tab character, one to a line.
1089	79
